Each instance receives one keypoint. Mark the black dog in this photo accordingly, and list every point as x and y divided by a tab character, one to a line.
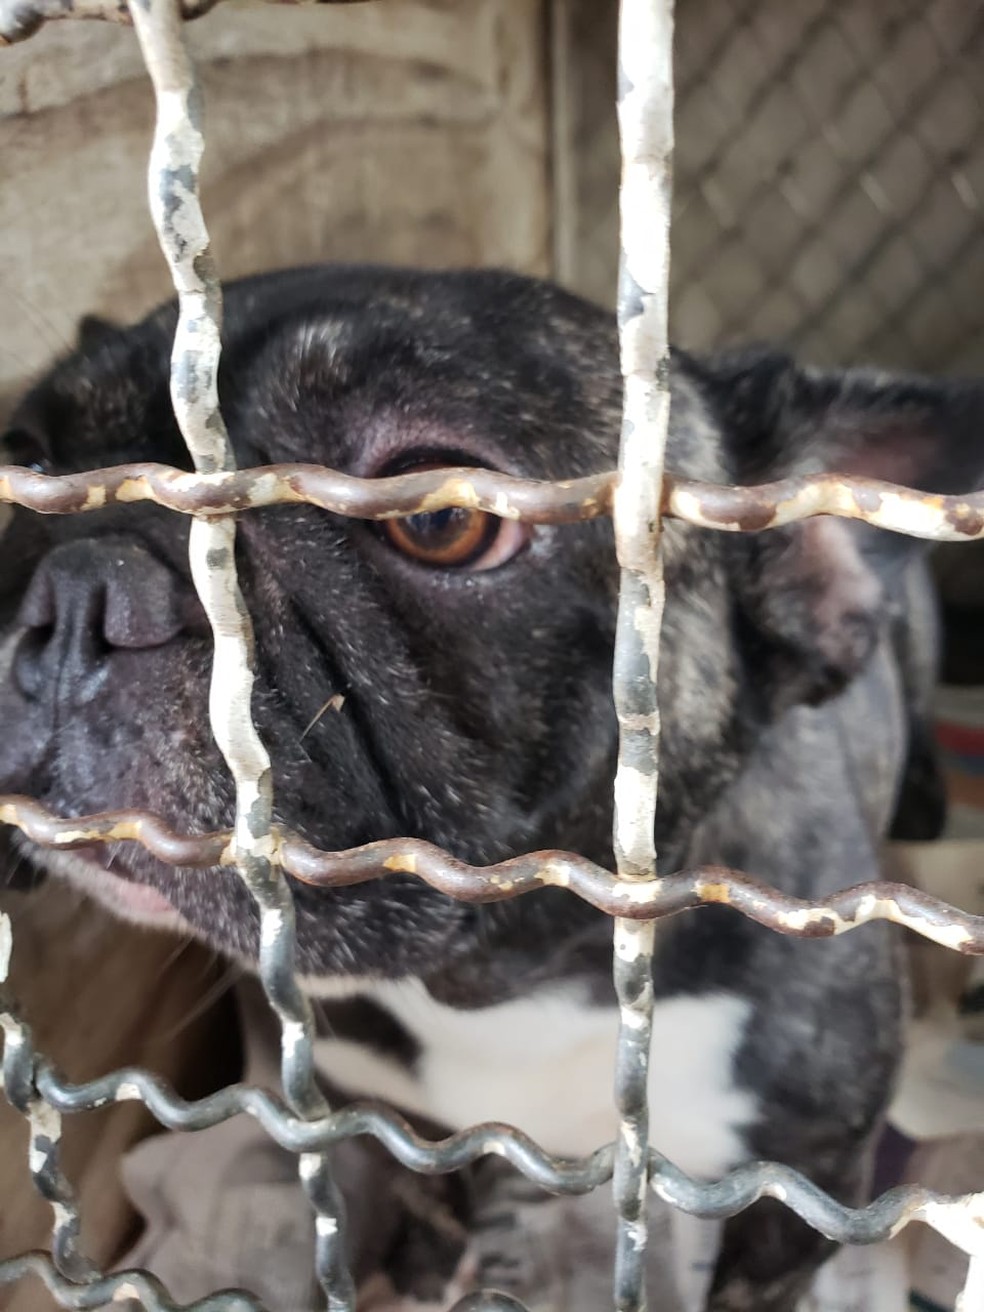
473	657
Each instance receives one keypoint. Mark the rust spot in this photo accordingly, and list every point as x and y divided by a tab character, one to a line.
130	489
716	892
401	863
756	516
743	507
585	879
967	519
823	925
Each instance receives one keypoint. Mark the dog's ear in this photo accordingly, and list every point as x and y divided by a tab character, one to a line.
811	596
92	330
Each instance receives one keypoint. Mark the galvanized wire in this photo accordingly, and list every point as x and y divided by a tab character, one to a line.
645	116
19	1069
636	498
958	1218
121	1287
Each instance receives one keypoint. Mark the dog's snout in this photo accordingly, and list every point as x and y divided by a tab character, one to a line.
89	599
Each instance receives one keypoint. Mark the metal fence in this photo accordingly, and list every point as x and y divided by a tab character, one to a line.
830	179
636	496
828	176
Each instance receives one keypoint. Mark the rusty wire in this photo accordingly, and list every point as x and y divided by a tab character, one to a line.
634	896
228	491
651	899
954	518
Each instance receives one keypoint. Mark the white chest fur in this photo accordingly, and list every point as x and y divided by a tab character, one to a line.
546	1065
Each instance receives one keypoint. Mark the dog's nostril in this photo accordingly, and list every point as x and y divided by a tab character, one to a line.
89	599
38	607
28	666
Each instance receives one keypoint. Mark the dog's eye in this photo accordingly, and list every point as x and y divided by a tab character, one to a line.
455	538
19	447
449	538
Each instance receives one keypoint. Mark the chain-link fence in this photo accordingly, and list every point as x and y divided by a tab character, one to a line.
830	179
300	1119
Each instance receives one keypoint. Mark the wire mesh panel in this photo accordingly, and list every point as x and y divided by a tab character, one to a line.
637	496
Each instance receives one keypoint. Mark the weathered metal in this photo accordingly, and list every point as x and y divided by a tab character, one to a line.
955	518
885	505
637	496
173	177
646	900
126	1287
226	492
44	1145
645	119
958	1218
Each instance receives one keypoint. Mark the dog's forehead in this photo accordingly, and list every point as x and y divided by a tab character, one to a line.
399	344
340	384
323	340
387	372
406	377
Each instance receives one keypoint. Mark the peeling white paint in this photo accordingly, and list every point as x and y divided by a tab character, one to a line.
45	1124
959	1220
635	808
6	945
326	1227
630	940
272	921
125	1291
62	1215
293	1037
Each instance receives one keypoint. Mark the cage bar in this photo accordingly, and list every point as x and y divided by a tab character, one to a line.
953	518
645	115
173	181
636	497
839	913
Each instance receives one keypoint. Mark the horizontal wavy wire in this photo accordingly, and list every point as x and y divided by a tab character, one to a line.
958	518
714	1200
650	900
300	1121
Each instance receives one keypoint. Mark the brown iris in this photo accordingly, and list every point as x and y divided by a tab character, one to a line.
444	538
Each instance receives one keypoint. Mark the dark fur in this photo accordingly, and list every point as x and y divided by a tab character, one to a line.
477	708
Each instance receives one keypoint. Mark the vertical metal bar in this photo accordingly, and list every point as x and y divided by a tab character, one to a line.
972	1297
645	114
17	1082
174	202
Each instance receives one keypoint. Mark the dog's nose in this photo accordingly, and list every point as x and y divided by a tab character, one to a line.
88	599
